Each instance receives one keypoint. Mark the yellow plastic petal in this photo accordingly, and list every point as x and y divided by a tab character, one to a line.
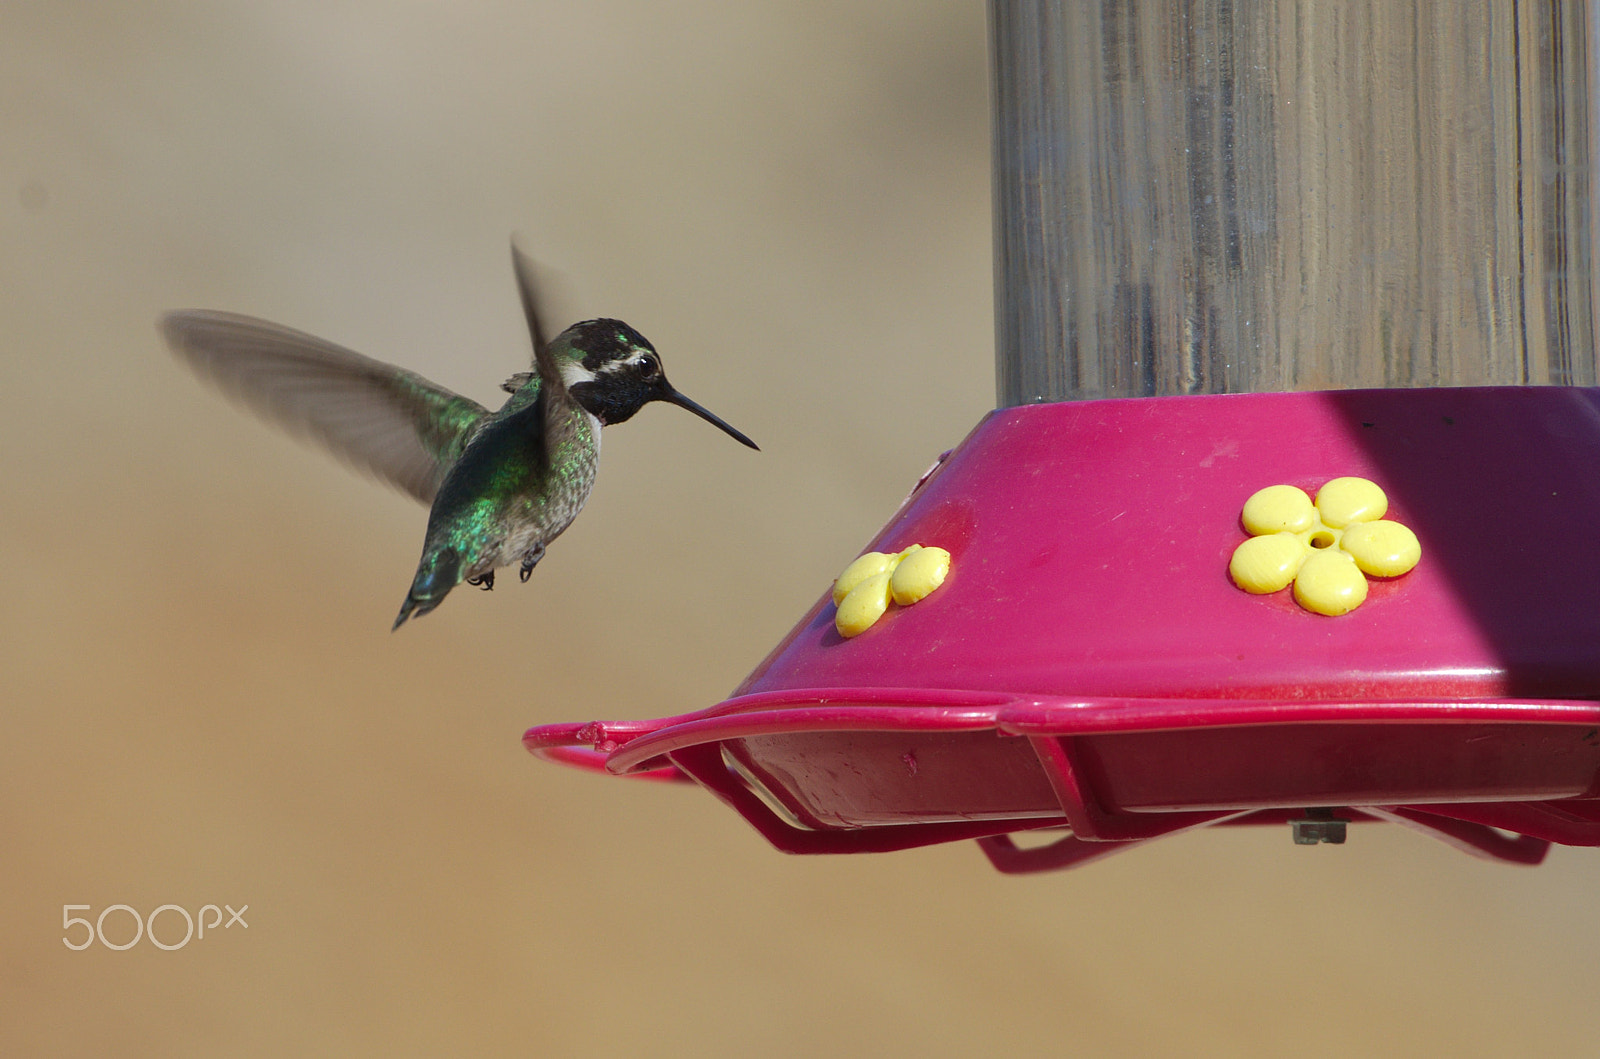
1267	564
918	573
1382	548
1277	508
1346	500
868	565
1330	583
864	605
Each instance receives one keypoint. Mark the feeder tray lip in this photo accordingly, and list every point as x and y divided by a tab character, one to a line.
777	758
627	748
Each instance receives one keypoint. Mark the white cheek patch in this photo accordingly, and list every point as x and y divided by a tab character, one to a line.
573	372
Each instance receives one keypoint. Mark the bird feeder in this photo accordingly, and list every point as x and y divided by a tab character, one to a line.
1234	264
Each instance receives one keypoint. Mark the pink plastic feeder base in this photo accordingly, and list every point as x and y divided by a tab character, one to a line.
1088	668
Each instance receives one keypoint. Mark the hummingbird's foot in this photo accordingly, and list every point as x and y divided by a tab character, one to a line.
531	560
485	579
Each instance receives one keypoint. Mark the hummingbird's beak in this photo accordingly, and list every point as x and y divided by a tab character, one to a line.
669	394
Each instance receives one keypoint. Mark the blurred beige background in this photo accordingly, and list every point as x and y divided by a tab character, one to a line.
203	702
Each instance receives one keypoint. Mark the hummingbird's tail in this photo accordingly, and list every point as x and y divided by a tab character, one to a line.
437	574
409	607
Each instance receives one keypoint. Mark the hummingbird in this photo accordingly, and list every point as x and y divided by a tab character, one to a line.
502	485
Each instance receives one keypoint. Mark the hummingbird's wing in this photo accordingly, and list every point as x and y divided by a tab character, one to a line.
544	361
543	419
391	423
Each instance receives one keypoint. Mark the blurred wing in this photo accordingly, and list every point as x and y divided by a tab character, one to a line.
547	420
393	424
544	361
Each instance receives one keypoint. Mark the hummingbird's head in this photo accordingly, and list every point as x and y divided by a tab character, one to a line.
613	371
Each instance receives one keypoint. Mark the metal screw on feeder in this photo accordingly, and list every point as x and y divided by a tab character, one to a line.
1236	248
